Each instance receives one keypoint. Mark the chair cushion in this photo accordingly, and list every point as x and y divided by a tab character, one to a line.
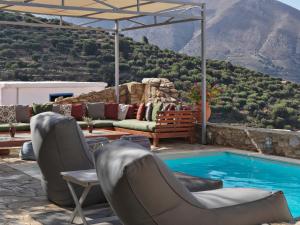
141	112
96	110
130	112
133	124
122	111
148	114
111	111
65	109
7	114
229	196
23	113
4	127
78	111
56	108
40	108
156	108
103	123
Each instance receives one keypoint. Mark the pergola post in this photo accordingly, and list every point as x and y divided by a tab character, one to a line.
203	67
117	61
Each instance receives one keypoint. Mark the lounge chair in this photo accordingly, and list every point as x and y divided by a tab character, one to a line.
143	191
59	145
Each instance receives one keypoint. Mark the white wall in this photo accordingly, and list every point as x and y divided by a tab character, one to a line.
16	94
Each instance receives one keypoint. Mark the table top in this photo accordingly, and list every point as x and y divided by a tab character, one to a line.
81	177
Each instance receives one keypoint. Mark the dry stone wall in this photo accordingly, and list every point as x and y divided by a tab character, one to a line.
269	141
151	89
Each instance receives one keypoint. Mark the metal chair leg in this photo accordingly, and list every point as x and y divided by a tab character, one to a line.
78	203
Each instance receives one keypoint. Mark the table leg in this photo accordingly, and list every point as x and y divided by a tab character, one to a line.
78	203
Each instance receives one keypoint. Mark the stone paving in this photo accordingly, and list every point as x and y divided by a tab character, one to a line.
23	202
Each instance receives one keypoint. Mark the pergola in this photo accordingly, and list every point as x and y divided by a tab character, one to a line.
126	14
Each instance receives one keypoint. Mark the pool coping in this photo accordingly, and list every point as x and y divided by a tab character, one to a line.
188	153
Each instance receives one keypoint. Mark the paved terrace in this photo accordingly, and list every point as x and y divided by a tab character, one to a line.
23	202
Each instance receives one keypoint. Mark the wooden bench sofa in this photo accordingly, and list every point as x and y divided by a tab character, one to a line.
169	124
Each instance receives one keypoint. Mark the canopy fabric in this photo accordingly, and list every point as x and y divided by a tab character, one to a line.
96	9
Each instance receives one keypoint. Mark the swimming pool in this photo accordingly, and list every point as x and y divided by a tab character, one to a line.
238	170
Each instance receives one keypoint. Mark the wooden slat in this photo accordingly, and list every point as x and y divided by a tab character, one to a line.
176	121
173	125
175	129
173	117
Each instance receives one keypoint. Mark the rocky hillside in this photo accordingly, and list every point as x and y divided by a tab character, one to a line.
259	34
248	97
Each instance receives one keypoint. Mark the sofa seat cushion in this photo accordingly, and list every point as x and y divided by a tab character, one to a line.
133	124
230	196
103	123
97	123
82	124
4	127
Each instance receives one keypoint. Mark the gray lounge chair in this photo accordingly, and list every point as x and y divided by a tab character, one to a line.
142	191
59	145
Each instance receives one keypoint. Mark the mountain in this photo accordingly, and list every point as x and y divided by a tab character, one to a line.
248	97
263	35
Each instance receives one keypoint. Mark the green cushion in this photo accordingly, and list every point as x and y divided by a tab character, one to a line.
156	108
82	124
148	126
4	127
103	123
40	108
97	123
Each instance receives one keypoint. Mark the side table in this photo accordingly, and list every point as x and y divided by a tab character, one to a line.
86	179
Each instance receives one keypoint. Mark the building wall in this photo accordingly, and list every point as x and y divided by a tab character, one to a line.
29	95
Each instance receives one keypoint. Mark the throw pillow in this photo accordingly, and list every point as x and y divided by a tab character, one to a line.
65	109
131	111
96	110
40	108
122	112
56	108
178	108
78	111
156	108
111	111
165	106
23	114
148	114
172	107
8	114
141	112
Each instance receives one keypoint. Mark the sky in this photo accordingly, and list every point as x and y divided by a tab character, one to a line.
294	3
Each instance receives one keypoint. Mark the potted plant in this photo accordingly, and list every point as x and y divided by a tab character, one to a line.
89	122
12	129
195	96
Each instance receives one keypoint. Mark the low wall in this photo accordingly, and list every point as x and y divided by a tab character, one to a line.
268	141
150	90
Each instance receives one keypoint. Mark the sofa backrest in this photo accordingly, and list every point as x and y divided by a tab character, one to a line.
59	145
137	184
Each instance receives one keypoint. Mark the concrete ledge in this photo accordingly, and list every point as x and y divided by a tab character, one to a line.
268	141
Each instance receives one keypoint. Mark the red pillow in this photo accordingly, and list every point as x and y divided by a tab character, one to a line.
78	111
141	112
172	107
111	111
130	112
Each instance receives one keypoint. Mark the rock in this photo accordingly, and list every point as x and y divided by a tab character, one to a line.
151	89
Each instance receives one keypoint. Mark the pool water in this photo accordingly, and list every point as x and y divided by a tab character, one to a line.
237	170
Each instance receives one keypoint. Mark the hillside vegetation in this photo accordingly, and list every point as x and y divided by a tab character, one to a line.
35	54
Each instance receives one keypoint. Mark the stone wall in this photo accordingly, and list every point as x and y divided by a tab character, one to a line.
268	141
151	89
159	90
